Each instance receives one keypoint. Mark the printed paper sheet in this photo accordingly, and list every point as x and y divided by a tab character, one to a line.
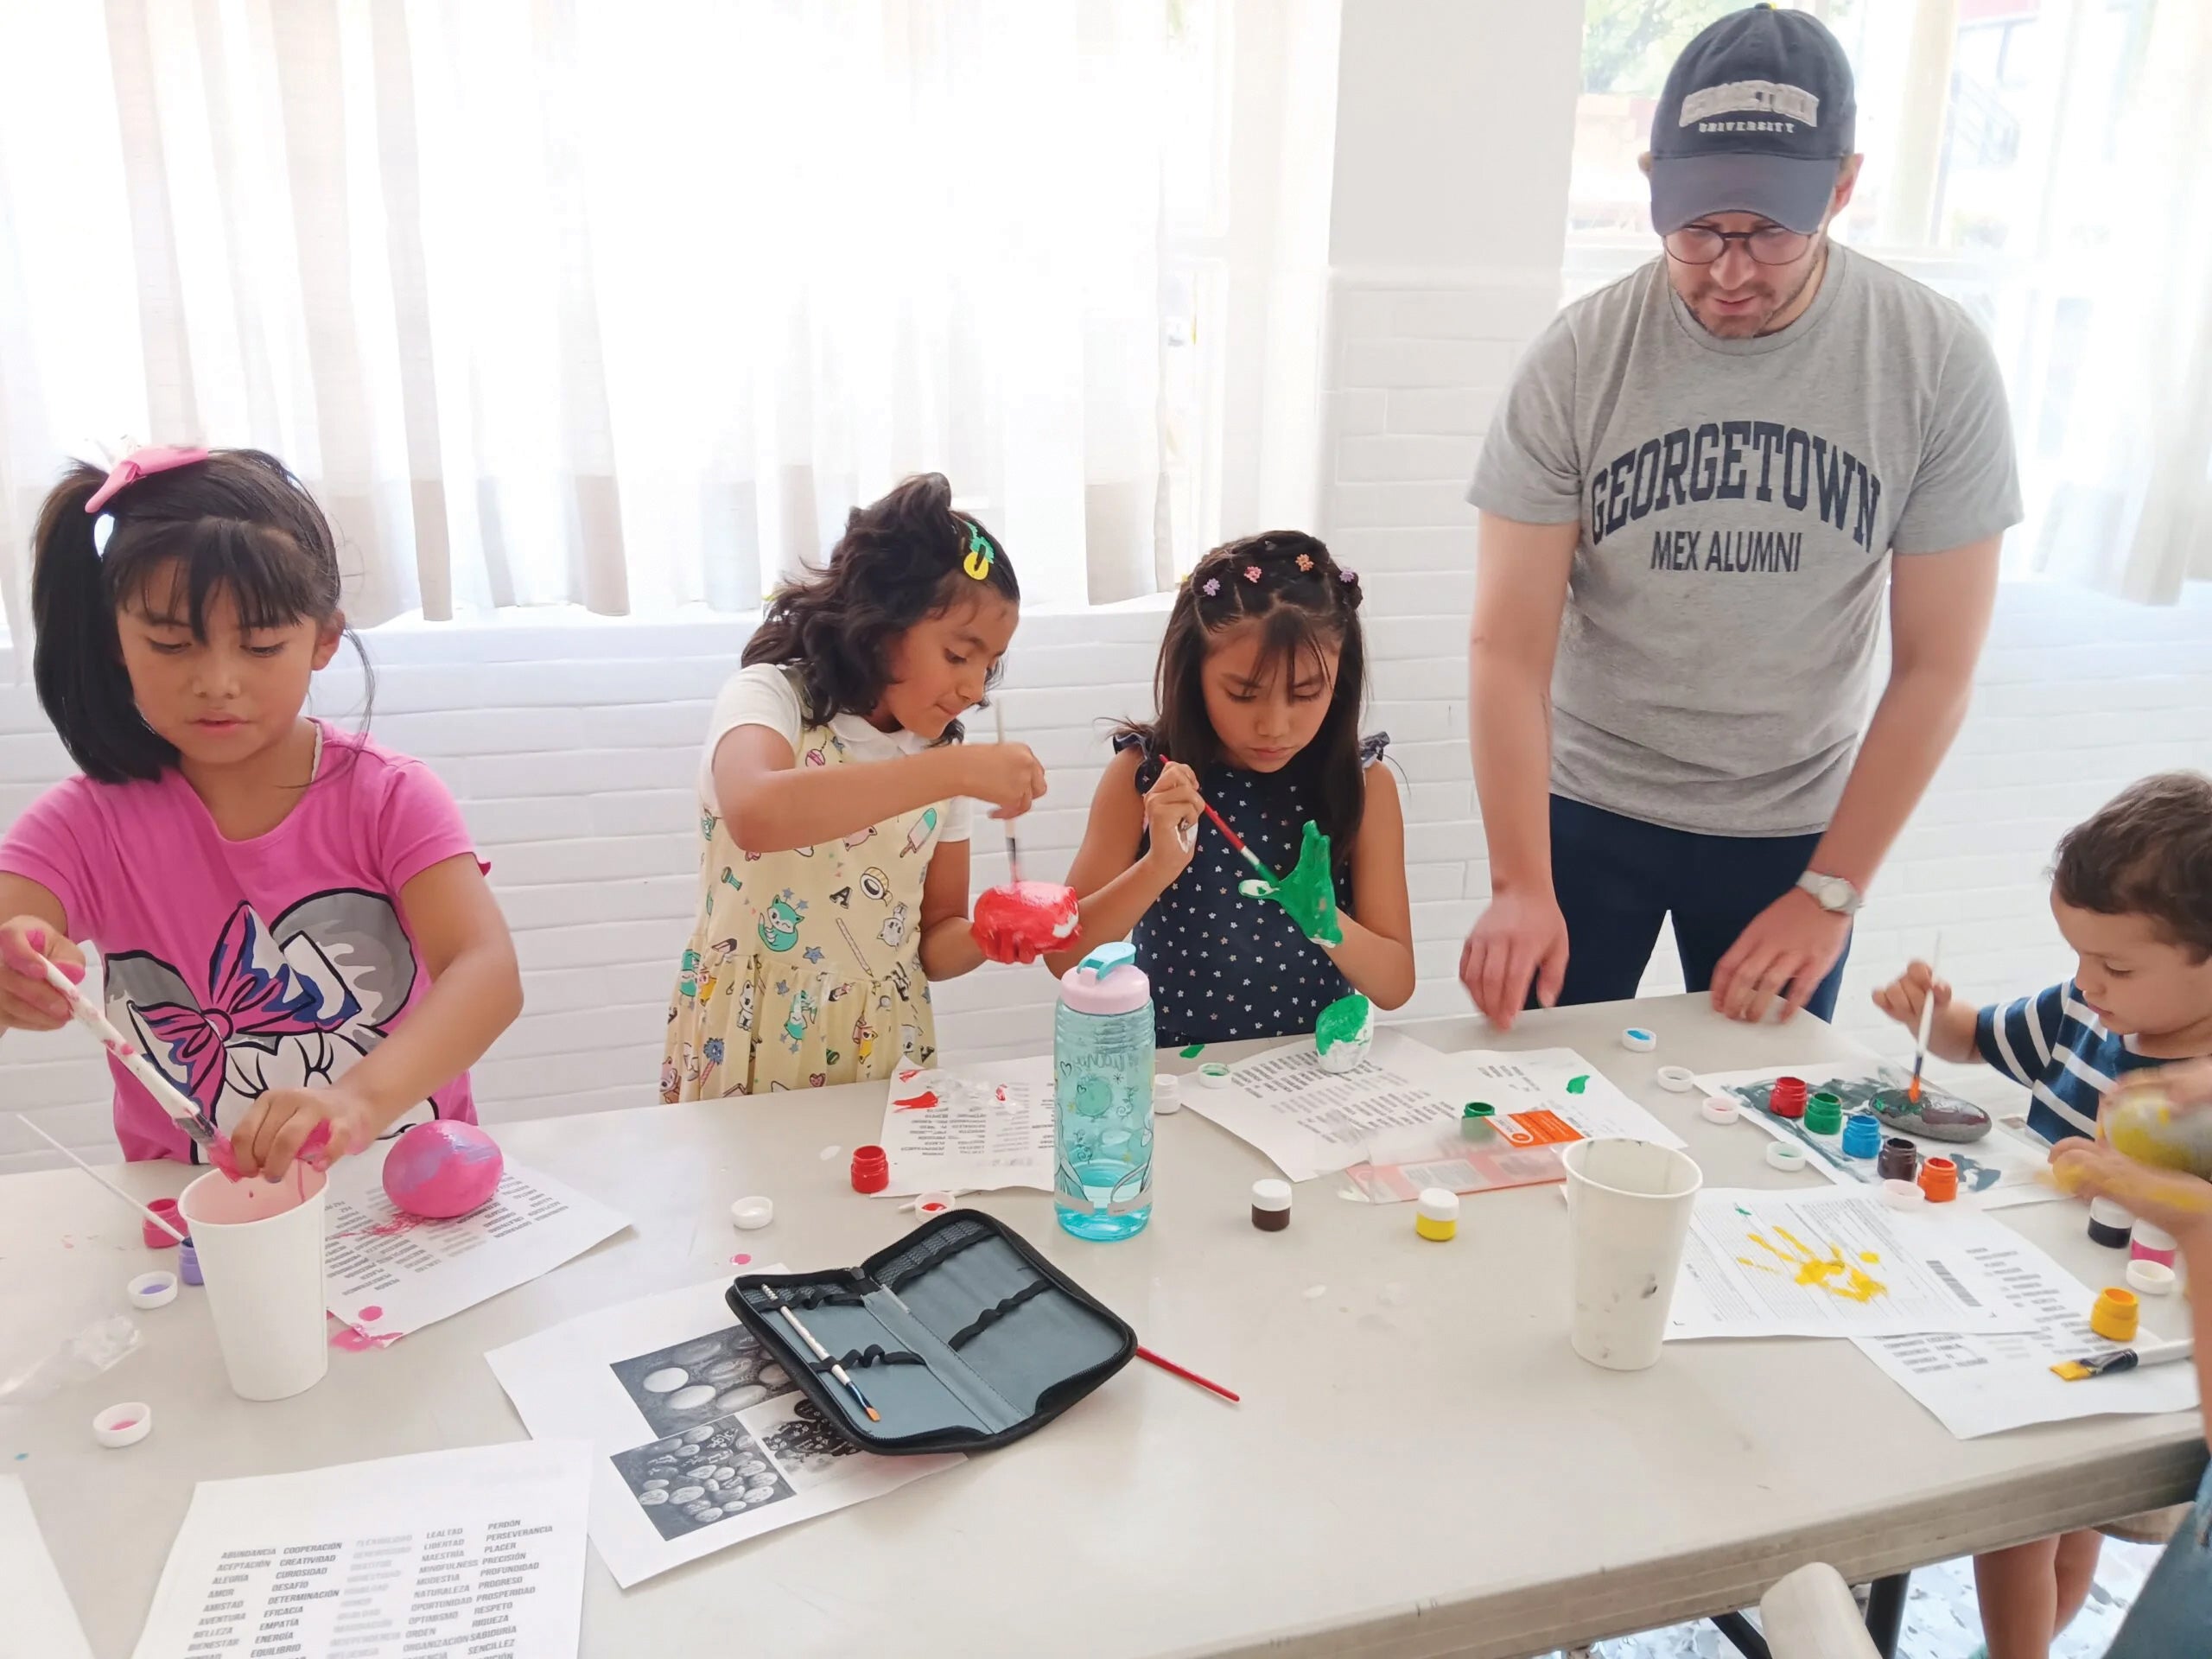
1559	1081
482	1545
1312	1122
388	1273
700	1439
1833	1262
2003	1168
1977	1385
39	1622
970	1131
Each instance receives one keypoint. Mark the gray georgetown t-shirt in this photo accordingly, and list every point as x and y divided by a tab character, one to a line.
1739	500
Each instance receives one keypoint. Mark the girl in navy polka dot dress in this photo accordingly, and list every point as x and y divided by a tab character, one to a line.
1261	680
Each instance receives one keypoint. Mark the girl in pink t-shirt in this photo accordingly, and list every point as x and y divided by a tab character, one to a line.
295	926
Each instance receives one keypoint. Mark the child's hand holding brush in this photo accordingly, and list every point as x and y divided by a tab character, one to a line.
1950	1024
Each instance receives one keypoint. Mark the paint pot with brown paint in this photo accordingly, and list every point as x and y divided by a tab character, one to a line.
1900	1160
1271	1205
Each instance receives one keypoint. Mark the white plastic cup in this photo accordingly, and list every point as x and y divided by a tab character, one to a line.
1631	1202
260	1249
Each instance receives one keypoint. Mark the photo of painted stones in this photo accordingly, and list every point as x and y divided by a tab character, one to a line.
701	1378
804	1445
711	1472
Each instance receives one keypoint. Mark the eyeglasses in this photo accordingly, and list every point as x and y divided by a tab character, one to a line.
1770	244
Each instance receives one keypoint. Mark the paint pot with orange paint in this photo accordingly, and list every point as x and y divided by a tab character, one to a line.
2117	1314
1939	1180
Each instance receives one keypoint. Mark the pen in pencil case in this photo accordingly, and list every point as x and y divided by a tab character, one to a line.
822	1354
2127	1359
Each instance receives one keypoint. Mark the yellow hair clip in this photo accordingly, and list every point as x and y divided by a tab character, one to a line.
980	554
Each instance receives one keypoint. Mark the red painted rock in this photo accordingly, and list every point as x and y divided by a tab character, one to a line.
1022	921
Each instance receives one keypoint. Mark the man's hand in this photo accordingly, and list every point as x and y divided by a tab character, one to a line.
1520	936
1786	951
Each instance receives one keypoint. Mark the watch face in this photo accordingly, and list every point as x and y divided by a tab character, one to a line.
1835	894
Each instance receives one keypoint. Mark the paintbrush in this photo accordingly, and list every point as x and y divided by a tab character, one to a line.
1169	1365
102	1180
1927	1018
822	1354
166	1095
2127	1359
186	1111
1013	852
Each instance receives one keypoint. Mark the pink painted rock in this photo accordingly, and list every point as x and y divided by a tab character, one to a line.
441	1169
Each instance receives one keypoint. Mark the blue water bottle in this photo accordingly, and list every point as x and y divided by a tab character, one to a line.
1102	1070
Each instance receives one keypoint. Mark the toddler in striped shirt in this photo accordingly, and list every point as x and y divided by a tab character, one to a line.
2132	894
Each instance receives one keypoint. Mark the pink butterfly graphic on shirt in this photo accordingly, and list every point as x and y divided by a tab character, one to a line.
298	1002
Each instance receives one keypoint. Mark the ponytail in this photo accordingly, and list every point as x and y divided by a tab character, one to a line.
77	661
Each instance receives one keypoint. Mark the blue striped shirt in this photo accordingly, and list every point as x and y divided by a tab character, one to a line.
2055	1047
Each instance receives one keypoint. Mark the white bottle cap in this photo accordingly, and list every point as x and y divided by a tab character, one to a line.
124	1425
750	1215
1167	1094
1786	1154
1213	1075
152	1290
1903	1195
2151	1278
1638	1040
1271	1195
1718	1108
1677	1079
1439	1204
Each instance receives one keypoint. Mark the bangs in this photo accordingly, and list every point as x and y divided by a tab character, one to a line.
260	568
1292	643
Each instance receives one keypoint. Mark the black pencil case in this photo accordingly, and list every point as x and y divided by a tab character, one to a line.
961	1335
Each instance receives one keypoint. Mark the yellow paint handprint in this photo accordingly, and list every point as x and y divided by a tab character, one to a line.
1810	1269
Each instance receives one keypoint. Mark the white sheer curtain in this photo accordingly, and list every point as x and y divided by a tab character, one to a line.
2130	506
612	302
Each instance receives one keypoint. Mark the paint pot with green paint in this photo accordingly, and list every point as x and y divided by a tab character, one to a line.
1344	1032
1478	1122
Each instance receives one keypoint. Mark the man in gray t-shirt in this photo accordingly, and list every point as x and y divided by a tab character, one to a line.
1698	491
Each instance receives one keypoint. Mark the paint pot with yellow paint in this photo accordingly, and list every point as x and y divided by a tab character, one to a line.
2116	1315
1436	1216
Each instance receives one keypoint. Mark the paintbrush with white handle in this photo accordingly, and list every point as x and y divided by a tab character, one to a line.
102	1180
1927	1020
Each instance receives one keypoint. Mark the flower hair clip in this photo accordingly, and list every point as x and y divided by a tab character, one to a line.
1306	561
1347	575
980	554
1212	589
1252	573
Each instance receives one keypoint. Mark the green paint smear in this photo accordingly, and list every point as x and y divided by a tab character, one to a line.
1194	1051
1576	1085
1347	1020
1308	893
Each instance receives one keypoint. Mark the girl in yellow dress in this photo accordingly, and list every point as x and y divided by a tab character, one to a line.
834	806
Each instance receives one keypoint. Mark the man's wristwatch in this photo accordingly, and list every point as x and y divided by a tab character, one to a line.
1831	893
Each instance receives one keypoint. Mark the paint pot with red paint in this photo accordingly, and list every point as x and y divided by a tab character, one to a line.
1787	1098
871	1169
155	1237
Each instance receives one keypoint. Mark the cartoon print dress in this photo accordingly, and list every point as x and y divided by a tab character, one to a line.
804	968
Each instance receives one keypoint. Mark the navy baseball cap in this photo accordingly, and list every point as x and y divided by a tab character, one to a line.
1756	115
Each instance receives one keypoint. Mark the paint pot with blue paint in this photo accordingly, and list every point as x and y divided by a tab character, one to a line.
1862	1135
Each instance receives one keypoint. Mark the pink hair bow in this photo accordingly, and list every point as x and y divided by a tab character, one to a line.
142	463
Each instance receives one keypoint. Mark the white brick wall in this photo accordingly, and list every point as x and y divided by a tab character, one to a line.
571	748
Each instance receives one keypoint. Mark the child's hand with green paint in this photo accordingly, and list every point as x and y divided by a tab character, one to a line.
1308	893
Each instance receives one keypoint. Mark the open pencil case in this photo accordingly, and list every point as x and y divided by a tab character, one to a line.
962	1336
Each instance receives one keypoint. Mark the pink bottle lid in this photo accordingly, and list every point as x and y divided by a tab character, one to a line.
1108	980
